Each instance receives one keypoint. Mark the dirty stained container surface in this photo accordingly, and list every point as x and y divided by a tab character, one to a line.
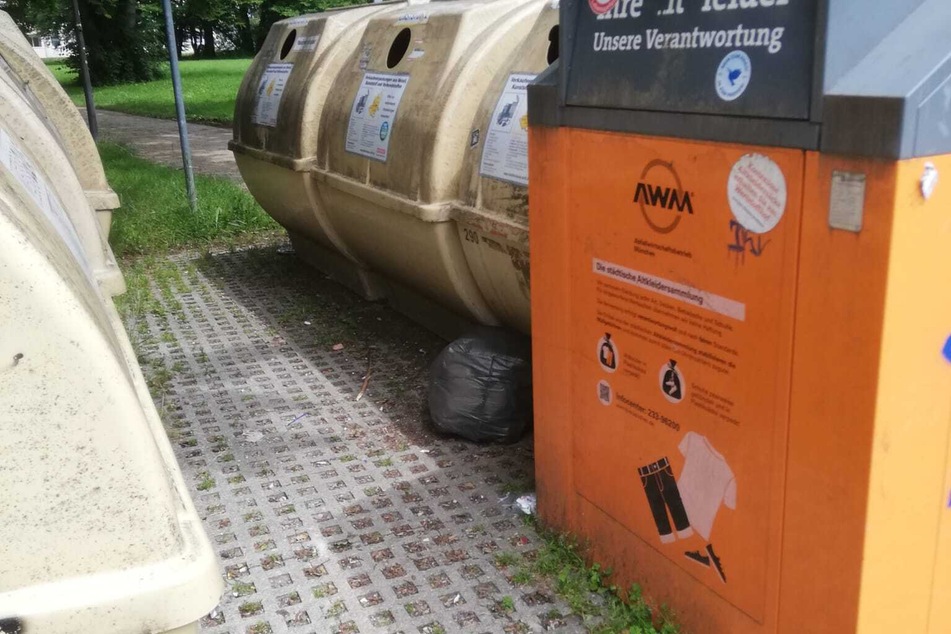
84	452
51	103
27	146
395	133
492	211
277	113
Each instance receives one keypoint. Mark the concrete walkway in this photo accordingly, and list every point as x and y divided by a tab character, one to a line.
157	140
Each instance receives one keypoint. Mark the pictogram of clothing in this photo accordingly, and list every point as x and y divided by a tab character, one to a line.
663	496
705	483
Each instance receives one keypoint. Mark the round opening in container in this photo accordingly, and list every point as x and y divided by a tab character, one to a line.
553	45
288	43
398	48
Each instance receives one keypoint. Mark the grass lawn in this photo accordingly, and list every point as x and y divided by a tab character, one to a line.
209	86
155	217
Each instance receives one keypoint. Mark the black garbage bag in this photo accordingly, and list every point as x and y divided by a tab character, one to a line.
481	386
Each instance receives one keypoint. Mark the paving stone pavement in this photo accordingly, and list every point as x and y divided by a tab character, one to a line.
329	512
157	140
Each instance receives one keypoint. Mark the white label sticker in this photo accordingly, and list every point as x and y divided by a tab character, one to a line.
505	155
365	57
417	53
373	112
24	170
270	91
756	190
308	43
416	17
733	75
847	201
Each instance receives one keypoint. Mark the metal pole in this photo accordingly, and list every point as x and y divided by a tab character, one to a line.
179	105
84	73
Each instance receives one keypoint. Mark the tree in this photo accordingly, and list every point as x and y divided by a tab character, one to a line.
123	37
123	40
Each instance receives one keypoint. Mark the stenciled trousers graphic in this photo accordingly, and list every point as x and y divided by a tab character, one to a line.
663	496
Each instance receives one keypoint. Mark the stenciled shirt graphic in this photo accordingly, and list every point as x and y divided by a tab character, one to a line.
706	482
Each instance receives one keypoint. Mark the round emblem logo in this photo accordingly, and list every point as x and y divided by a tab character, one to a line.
733	75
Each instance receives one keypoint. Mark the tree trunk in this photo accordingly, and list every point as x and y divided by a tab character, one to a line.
208	33
196	45
245	30
179	40
117	50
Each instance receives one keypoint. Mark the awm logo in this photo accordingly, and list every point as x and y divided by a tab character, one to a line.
661	196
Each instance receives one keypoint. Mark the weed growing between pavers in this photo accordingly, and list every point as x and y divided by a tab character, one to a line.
604	608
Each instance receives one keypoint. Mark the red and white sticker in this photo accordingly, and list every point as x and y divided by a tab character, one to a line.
756	190
602	6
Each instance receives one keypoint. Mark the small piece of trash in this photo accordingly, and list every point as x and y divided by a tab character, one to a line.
306	323
253	436
337	347
526	504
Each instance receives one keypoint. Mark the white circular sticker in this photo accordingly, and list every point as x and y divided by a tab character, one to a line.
733	75
756	190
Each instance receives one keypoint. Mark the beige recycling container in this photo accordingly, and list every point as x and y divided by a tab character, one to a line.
26	128
98	531
492	211
50	102
394	135
277	114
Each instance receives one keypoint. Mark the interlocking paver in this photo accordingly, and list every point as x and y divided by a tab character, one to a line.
329	512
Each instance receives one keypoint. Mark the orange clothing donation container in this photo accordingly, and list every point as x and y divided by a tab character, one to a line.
740	229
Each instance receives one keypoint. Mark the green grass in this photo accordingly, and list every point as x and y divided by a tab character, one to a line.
588	590
155	217
209	88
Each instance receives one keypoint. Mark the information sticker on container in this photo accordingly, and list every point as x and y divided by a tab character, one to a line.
306	44
270	91
415	17
15	160
756	190
373	114
505	156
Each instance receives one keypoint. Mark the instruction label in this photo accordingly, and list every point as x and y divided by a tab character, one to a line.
24	170
681	323
415	17
308	43
505	156
373	113
270	91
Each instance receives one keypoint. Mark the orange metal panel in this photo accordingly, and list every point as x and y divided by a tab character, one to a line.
658	270
803	435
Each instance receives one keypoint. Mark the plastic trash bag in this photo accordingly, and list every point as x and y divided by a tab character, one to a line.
481	386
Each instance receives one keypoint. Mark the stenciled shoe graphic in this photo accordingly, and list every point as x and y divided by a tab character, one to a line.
716	563
696	557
